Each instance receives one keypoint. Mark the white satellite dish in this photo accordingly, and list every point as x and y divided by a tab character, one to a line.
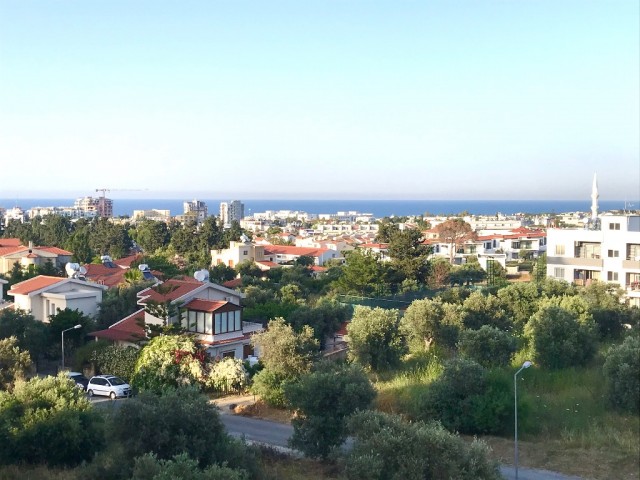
82	271
143	267
244	239
71	269
201	275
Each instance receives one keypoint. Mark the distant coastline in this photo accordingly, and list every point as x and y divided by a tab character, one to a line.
378	208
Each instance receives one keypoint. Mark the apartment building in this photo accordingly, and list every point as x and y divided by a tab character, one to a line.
608	250
230	212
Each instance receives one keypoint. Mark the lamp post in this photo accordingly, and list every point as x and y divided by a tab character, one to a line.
526	364
75	327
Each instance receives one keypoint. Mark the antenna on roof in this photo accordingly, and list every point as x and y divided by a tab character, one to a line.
202	275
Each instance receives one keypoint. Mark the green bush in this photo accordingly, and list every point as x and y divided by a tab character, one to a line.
270	385
558	339
48	421
489	346
119	361
149	467
467	399
622	373
387	448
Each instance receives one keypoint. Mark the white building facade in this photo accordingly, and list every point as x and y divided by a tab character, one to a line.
610	253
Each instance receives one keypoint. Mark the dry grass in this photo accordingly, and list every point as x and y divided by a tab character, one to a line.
555	455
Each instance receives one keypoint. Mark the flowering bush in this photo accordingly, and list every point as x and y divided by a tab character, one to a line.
227	374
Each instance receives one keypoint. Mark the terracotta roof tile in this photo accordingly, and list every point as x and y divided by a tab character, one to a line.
54	250
287	250
169	290
10	242
210	305
129	329
33	284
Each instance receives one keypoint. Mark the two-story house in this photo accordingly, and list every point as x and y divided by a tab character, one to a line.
210	311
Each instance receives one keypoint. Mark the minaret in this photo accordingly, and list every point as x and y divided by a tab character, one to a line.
594	199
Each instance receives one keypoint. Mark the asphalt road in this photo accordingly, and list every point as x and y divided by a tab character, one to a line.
275	434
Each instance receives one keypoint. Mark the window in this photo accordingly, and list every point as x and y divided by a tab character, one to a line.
229	354
614	226
612	276
613	253
558	272
515	245
559	249
245	252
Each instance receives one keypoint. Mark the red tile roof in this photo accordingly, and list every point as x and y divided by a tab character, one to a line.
169	290
210	305
129	329
287	250
104	275
33	284
10	242
127	261
9	250
54	250
235	283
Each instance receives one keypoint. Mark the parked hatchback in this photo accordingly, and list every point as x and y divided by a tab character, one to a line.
80	380
108	386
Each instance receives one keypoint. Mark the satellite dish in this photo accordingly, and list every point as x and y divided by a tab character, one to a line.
82	271
71	269
143	267
201	275
244	239
105	258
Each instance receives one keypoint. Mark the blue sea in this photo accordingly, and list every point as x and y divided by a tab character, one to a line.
378	208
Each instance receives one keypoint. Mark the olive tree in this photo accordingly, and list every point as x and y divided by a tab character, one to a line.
323	399
375	338
622	374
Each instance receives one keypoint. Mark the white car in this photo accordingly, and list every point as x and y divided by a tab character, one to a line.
108	386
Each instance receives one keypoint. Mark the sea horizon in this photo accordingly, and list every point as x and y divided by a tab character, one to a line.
377	208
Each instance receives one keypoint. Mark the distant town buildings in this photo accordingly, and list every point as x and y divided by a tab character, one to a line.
232	211
152	214
195	210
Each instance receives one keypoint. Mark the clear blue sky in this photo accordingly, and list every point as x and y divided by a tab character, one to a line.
320	99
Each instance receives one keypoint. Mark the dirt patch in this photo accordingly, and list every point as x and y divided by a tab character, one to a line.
259	409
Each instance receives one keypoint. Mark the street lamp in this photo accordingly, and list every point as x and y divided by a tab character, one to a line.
72	328
526	364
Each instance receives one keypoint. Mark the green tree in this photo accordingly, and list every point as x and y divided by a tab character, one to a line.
440	269
286	355
325	317
482	310
323	400
375	338
48	421
66	319
386	230
387	448
489	346
78	243
14	363
362	274
107	238
557	339
409	255
622	374
221	273
31	335
151	235
427	321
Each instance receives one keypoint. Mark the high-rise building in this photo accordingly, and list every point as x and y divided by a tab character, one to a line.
101	206
197	209
231	211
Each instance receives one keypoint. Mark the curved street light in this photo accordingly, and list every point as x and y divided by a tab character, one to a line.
526	364
75	327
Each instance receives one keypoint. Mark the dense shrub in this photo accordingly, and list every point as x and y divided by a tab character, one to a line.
467	399
149	467
387	448
227	374
488	346
179	421
49	421
119	361
622	374
432	321
323	399
557	339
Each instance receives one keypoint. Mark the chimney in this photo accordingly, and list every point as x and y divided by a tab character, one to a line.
30	246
